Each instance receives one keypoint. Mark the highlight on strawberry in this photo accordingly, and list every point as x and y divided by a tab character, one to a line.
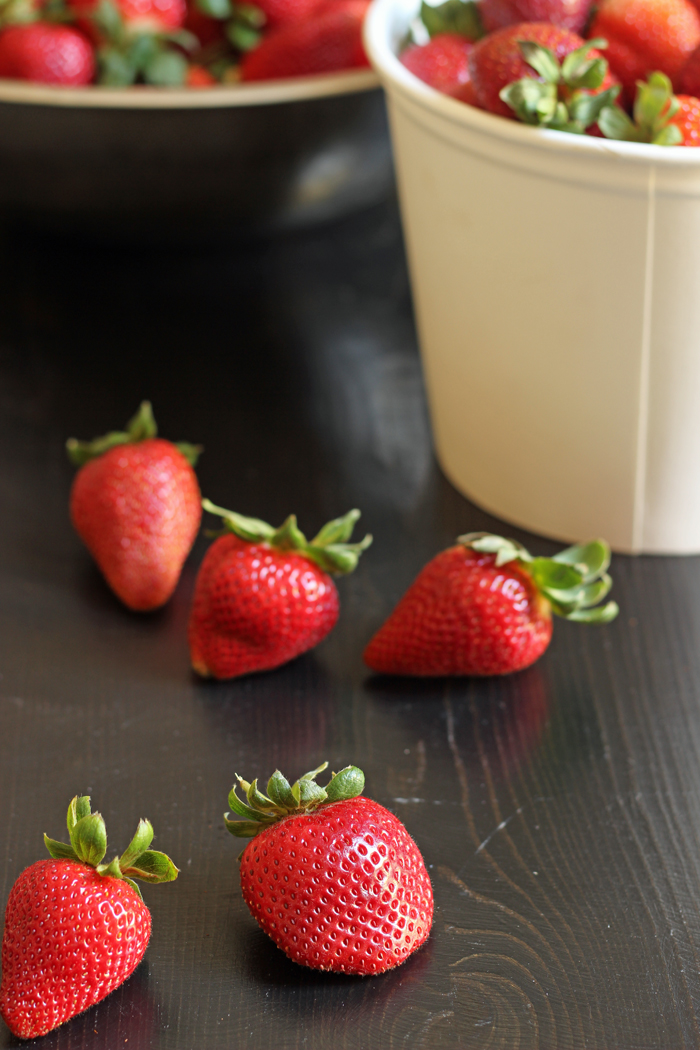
484	607
76	927
264	595
525	60
332	877
136	505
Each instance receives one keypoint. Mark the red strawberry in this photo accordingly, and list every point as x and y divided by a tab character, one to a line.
645	36
442	63
75	928
199	77
528	54
264	595
689	80
334	879
281	12
568	14
484	608
139	16
329	40
47	53
687	120
135	503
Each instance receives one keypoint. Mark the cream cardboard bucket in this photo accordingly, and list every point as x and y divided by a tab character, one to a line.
556	281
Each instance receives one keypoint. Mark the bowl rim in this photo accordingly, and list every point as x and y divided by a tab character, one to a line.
258	93
379	45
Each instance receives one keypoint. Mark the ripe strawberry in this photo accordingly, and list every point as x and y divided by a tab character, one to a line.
334	879
689	80
568	14
199	77
264	595
645	36
76	928
542	75
47	53
660	117
442	63
135	503
484	608
329	40
138	16
281	12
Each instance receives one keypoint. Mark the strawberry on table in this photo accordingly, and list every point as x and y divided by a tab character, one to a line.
443	63
543	75
484	607
265	595
75	927
333	878
46	52
646	36
329	40
135	503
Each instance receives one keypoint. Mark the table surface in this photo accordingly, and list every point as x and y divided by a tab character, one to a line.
557	809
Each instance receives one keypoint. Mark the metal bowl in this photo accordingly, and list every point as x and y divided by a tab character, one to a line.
165	164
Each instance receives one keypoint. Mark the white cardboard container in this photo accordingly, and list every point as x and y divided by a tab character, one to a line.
556	282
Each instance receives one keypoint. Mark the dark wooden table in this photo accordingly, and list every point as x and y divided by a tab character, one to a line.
558	810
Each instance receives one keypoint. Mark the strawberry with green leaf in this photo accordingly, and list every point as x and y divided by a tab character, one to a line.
263	595
484	607
76	927
332	877
659	116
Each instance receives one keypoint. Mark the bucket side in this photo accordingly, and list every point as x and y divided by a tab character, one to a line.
529	292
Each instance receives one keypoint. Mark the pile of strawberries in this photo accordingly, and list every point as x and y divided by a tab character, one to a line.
173	43
331	876
623	69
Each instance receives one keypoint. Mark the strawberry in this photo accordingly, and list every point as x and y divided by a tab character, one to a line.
76	928
542	75
135	503
645	36
46	52
199	77
484	608
333	878
281	12
689	80
139	16
264	595
329	40
442	63
659	116
568	14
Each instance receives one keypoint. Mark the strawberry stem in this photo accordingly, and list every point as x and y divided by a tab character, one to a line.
140	427
573	581
284	799
329	549
88	845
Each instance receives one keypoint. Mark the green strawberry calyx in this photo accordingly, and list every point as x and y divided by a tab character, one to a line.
139	428
329	549
461	17
88	845
560	97
573	581
655	106
285	800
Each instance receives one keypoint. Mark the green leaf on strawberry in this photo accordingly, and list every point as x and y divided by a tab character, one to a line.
655	107
88	845
572	581
329	549
304	796
142	426
453	16
561	99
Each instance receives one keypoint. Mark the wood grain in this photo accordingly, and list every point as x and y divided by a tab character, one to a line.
558	810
